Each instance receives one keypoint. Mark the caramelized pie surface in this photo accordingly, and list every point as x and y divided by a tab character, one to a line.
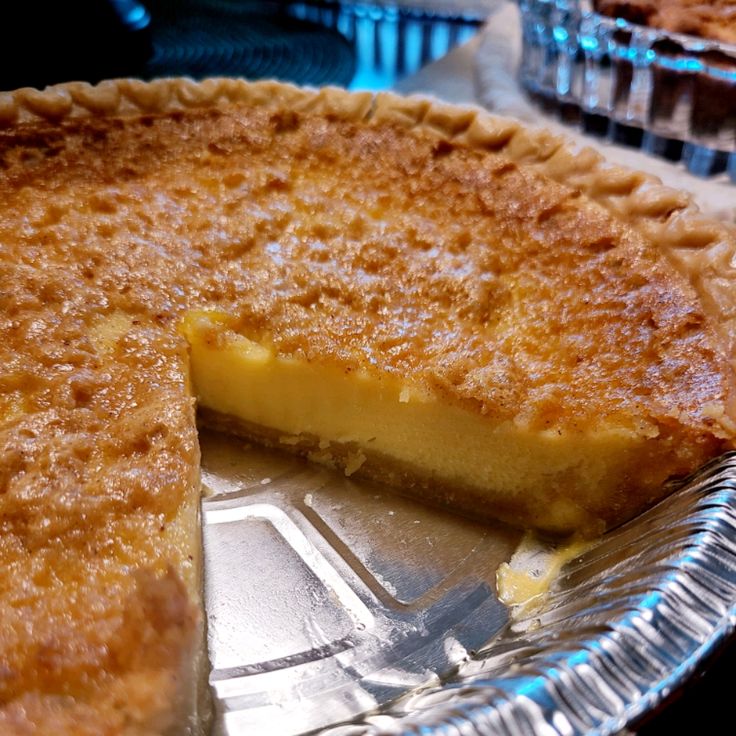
362	246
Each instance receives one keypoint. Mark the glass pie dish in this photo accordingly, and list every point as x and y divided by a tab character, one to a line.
672	93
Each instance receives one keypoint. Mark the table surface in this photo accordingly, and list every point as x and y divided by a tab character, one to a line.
455	78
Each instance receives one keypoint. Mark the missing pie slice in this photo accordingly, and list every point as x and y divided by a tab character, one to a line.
424	294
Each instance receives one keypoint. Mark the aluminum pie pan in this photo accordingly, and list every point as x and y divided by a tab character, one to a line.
340	608
672	87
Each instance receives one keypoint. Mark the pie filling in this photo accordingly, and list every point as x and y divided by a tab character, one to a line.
383	426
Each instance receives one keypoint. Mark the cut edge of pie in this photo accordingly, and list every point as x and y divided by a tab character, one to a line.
701	250
391	429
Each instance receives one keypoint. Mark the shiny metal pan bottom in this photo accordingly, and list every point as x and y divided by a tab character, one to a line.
338	606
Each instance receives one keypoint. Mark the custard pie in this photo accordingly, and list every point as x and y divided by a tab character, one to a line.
470	311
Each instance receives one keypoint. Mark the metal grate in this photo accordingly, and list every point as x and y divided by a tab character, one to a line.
390	40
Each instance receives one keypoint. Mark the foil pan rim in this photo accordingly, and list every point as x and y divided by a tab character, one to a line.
625	624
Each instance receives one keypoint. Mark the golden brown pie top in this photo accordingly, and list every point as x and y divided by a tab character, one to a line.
392	237
715	19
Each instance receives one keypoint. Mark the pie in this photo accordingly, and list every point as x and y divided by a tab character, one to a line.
420	293
715	19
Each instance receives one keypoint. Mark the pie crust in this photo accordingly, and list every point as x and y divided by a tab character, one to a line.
102	619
